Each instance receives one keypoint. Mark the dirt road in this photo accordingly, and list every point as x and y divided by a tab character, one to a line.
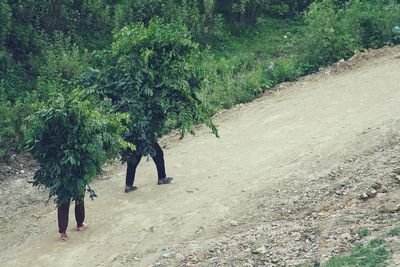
309	126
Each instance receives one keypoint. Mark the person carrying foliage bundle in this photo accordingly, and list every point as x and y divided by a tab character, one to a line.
153	74
71	139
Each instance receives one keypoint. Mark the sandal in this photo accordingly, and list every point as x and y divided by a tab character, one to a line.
165	180
64	238
82	227
130	188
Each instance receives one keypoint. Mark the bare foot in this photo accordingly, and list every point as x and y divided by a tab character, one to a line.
63	237
82	227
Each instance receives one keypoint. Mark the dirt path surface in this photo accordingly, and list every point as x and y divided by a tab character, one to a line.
244	190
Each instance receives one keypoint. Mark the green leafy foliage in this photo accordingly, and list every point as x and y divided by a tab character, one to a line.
326	38
372	254
64	64
12	123
372	21
5	20
246	47
394	232
363	232
242	13
71	137
151	74
335	29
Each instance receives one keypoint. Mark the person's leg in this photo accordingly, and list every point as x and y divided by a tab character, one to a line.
62	216
131	172
159	161
160	165
80	215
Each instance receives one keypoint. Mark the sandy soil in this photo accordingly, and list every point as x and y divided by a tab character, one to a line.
285	174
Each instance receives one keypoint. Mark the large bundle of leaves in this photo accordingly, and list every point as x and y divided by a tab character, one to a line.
71	139
151	73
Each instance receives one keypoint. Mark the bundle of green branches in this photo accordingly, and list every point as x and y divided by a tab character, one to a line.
71	138
152	73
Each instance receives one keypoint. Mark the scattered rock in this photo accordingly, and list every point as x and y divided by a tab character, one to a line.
179	257
389	208
350	219
260	250
346	236
233	223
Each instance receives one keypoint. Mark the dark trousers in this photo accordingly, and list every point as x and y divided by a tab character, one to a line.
62	215
134	162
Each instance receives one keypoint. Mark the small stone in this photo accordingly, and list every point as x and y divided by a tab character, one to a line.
389	208
377	186
260	250
22	172
380	195
372	193
337	192
350	219
233	223
149	229
346	236
179	257
166	255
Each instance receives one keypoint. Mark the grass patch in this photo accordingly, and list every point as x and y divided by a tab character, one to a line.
394	232
373	254
363	232
242	67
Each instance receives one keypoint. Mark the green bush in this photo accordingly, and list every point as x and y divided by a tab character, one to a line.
372	21
5	21
335	29
71	137
283	70
241	14
326	38
64	63
198	16
12	121
372	254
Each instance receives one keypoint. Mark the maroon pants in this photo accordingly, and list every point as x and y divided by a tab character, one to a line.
62	215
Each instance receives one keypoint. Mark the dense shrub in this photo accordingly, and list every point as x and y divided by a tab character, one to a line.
64	64
372	21
12	121
326	37
198	15
242	13
334	29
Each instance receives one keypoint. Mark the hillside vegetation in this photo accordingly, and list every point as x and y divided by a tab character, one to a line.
239	49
